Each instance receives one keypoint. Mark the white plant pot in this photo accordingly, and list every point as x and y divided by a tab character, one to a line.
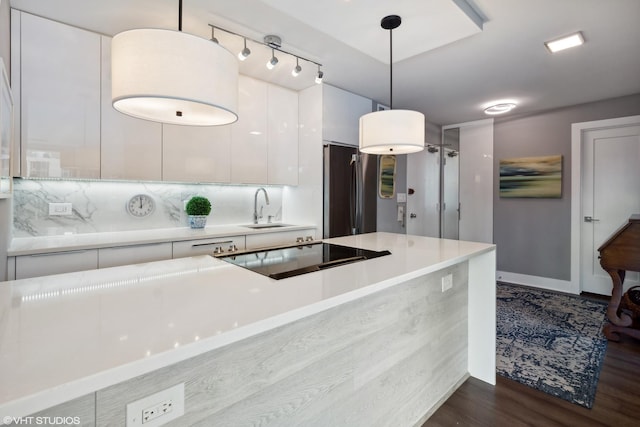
197	221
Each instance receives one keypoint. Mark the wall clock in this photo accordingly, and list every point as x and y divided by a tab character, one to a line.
141	205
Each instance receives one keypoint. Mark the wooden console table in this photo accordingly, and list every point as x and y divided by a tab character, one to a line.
619	254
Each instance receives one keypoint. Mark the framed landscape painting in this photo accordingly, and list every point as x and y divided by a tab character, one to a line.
534	177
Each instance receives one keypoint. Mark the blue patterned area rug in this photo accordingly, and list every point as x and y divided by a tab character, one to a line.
550	341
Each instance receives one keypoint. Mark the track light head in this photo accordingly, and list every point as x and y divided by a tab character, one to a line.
319	76
213	37
245	52
297	69
273	61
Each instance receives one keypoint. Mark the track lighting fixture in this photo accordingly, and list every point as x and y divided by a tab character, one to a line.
245	52
273	61
297	69
275	44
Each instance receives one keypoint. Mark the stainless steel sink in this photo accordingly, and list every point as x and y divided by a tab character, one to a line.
268	225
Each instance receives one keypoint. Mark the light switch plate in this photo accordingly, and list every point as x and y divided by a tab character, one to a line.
401	197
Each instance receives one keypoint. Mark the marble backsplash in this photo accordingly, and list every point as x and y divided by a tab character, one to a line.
100	206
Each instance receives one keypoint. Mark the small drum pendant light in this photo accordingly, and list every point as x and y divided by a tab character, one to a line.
392	131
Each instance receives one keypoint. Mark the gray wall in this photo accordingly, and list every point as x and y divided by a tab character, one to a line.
533	236
5	204
388	208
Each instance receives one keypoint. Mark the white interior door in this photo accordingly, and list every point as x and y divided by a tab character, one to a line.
610	195
423	176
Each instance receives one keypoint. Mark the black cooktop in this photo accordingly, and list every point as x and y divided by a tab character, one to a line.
283	262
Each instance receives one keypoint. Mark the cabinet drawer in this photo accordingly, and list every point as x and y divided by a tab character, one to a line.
189	248
123	255
55	263
255	241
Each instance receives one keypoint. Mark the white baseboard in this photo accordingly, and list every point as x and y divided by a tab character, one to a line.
536	282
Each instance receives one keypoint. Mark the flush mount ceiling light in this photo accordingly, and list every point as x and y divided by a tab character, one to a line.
391	131
499	108
173	77
566	42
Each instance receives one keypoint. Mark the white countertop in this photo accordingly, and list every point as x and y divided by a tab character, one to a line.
64	336
69	242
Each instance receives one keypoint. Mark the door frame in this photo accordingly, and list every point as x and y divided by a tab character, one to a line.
577	132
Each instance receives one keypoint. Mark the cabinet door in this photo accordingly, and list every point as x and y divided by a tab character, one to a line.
282	136
189	248
131	148
55	263
249	134
341	112
196	154
60	100
265	240
124	255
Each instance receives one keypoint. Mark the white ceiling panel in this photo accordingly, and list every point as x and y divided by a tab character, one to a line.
426	24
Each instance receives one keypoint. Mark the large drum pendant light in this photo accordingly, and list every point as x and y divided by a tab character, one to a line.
391	131
173	77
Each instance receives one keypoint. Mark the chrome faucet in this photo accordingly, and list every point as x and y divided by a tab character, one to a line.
255	204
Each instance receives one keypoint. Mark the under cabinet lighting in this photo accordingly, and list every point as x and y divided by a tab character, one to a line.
566	42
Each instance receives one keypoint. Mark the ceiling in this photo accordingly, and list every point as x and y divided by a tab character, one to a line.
451	57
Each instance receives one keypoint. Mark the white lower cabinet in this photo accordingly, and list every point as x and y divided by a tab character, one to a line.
124	255
55	263
189	248
255	241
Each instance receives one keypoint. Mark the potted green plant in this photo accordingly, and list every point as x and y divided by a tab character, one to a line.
198	208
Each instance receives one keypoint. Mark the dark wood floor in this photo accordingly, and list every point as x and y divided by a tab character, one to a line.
512	404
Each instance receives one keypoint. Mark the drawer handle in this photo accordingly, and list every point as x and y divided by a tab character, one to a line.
212	243
78	251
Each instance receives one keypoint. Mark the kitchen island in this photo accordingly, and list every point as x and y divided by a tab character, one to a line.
375	342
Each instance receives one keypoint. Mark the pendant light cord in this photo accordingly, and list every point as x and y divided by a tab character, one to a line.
179	15
390	69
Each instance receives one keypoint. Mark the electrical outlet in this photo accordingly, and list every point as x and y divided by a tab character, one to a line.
447	282
157	409
60	209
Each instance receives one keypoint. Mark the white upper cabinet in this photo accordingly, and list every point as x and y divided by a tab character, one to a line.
249	134
282	136
341	112
131	148
60	99
196	154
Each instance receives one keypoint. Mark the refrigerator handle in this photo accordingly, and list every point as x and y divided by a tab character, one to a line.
353	194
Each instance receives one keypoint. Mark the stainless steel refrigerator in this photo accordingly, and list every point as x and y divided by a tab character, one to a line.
350	191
